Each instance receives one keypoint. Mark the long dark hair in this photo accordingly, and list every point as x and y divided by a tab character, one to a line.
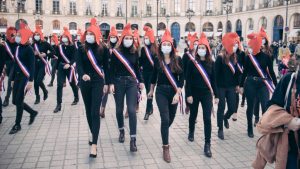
267	49
208	57
153	48
174	65
227	58
121	48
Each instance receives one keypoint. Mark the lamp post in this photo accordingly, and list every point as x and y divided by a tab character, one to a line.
157	18
126	11
286	21
189	14
168	19
227	5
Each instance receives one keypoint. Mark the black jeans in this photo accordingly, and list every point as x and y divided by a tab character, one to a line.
39	75
226	95
92	92
255	89
20	82
61	79
126	85
53	72
147	80
256	109
207	104
104	100
164	97
9	72
237	100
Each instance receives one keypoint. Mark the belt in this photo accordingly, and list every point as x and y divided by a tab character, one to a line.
257	78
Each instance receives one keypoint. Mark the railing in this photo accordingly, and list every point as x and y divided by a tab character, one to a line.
3	10
278	3
20	11
239	9
40	12
264	5
72	13
250	7
56	12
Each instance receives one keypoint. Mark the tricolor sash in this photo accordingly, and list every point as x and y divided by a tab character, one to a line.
192	58
76	45
2	77
21	65
55	57
94	63
47	64
241	69
268	83
231	66
172	80
149	55
204	75
72	75
9	51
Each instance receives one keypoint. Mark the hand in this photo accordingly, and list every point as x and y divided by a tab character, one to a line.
67	66
294	124
36	53
175	99
190	100
86	77
42	54
150	94
141	86
112	89
237	89
216	101
29	86
12	84
105	89
241	91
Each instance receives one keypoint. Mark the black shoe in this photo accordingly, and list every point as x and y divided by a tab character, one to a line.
133	147
32	117
15	129
37	100
1	119
5	103
50	84
221	134
250	134
151	111
146	116
191	137
76	100
122	136
46	95
93	155
255	122
207	150
57	108
90	143
242	104
226	123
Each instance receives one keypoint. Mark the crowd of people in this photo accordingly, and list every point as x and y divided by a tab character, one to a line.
125	65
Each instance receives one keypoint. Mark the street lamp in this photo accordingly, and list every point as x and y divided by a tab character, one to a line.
189	14
126	12
157	18
227	5
286	21
168	19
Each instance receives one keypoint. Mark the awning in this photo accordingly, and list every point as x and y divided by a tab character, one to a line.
294	33
3	29
186	33
209	34
218	33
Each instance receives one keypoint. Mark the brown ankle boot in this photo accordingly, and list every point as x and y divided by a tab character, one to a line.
166	153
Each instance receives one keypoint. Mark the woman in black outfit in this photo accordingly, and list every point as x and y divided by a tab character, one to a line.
167	94
22	79
148	54
201	88
256	84
92	56
226	80
126	79
54	43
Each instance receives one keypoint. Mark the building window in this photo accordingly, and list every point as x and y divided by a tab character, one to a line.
72	26
55	7
38	6
148	9
177	7
191	4
3	6
88	10
297	21
39	22
119	9
56	25
104	8
3	23
134	8
264	22
21	6
209	5
119	26
251	24
241	4
73	7
163	10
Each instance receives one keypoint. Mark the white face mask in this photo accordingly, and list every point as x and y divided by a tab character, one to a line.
37	37
235	48
263	41
52	43
127	43
18	39
147	41
78	37
201	52
113	40
65	40
166	49
90	39
250	50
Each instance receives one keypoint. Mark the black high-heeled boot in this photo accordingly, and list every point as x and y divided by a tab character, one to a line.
133	147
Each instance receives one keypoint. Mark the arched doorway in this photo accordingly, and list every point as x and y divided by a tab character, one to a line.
238	27
263	22
149	24
278	28
190	27
175	31
228	26
250	26
119	26
134	26
161	28
219	30
87	25
3	25
39	22
56	26
17	24
208	29
105	29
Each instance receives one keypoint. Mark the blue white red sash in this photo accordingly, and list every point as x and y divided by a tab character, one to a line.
149	55
2	87
55	57
94	63
241	69
268	83
21	65
47	64
204	75
172	80
72	75
9	51
192	58
76	45
232	69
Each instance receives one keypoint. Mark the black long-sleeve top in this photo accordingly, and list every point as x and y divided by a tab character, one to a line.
77	44
265	63
195	79
144	61
69	51
44	47
56	52
26	56
160	78
84	65
185	61
224	76
118	69
278	98
2	57
12	47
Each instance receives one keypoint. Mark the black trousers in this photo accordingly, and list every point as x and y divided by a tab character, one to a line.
126	86
1	107
61	79
237	101
205	98
255	89
256	109
147	80
20	82
164	97
9	72
226	95
104	100
39	75
53	72
92	92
